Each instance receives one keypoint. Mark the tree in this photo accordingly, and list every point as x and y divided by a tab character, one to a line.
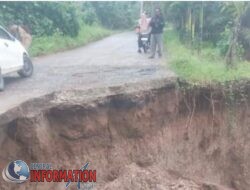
43	18
116	15
238	10
225	24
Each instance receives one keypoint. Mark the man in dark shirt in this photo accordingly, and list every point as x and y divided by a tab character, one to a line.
157	24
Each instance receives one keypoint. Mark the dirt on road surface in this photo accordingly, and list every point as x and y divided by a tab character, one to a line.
109	62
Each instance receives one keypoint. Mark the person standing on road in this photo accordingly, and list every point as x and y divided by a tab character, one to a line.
157	24
21	33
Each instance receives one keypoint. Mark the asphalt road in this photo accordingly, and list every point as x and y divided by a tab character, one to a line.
110	62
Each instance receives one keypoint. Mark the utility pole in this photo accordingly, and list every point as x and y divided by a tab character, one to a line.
141	10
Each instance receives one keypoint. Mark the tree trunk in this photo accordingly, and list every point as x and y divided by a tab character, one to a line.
189	27
201	28
231	53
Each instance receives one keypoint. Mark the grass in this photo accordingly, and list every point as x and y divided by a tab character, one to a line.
51	44
206	68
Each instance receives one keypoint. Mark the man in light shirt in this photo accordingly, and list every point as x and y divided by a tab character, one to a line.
142	28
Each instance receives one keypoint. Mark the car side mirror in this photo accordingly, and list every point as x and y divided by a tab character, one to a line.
12	38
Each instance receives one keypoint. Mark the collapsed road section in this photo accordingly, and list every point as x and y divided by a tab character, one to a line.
153	136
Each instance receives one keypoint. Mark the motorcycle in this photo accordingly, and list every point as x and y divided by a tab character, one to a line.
145	41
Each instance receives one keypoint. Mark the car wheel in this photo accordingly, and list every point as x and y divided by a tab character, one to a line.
27	69
1	81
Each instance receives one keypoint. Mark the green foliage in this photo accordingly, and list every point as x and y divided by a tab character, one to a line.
60	25
224	24
43	18
206	16
63	16
47	18
116	15
89	14
208	67
57	42
224	42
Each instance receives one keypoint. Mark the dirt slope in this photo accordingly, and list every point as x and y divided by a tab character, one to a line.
153	138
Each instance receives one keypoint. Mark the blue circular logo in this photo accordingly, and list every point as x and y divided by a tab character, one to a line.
16	172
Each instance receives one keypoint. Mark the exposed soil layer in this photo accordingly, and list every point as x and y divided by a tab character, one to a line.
160	138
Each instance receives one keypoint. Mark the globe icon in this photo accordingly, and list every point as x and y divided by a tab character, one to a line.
16	172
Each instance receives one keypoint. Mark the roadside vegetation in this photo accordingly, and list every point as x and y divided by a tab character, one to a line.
49	44
59	26
201	68
208	42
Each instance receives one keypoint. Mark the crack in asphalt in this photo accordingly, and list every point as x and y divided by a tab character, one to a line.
109	62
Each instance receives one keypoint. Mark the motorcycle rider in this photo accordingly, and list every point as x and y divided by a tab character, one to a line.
142	28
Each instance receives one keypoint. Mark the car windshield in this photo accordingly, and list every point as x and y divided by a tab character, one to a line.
4	35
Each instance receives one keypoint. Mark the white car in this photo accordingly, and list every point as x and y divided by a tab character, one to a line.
13	57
